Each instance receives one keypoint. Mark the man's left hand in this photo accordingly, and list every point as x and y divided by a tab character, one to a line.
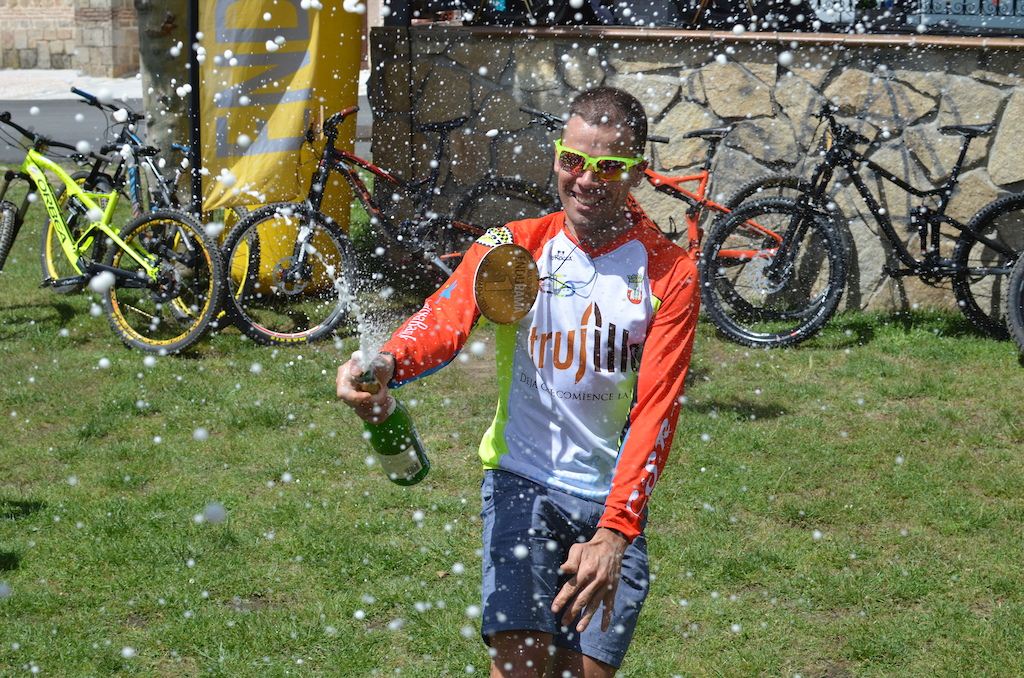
596	567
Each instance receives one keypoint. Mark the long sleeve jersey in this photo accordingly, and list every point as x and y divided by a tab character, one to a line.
590	381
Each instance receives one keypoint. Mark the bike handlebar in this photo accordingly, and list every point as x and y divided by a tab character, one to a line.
37	139
93	100
331	123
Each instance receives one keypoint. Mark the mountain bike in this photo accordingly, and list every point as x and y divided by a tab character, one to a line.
291	266
127	161
784	287
162	275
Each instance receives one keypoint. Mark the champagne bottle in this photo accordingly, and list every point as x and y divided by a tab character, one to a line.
396	444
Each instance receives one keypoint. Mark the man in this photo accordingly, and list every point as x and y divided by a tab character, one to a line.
589	396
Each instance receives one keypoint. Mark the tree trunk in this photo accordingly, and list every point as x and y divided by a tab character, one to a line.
164	49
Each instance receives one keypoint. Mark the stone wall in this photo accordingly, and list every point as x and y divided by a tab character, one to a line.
897	90
98	37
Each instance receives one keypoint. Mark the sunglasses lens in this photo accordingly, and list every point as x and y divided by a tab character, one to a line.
571	162
611	170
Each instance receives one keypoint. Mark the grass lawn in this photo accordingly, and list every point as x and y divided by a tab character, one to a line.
851	507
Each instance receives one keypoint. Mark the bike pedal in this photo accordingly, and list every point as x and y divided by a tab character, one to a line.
72	280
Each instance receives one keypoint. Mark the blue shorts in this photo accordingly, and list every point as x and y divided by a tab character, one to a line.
527	532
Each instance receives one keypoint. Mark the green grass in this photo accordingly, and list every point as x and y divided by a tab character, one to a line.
851	507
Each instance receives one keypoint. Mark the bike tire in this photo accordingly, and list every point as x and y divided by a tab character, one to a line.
52	260
177	313
736	291
8	217
490	203
262	302
981	276
1015	304
771	186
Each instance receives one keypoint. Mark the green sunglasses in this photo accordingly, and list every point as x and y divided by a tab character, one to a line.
606	167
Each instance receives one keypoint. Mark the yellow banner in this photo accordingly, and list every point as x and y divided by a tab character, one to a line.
269	68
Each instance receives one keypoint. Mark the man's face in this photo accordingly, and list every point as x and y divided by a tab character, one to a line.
593	206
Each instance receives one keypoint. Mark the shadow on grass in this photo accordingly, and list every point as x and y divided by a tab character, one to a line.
862	328
11	509
58	313
740	409
9	561
847	330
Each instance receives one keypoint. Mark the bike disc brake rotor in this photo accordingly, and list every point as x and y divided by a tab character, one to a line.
289	280
755	276
168	285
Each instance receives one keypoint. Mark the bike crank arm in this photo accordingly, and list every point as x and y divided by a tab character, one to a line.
122	278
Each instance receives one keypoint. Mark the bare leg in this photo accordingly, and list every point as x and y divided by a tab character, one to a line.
569	664
520	654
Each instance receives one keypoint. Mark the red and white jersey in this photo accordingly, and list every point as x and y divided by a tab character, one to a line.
590	380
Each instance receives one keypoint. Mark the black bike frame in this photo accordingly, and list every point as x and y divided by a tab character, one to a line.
929	221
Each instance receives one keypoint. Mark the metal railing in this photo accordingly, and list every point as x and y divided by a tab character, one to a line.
952	17
992	15
966	17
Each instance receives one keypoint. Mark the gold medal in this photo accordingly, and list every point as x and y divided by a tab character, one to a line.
506	283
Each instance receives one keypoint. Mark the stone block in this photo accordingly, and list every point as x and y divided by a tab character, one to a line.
535	65
446	95
487	58
1004	165
470	157
519	156
799	102
654	91
500	111
733	92
770	141
643	58
938	152
683	117
966	101
582	69
878	99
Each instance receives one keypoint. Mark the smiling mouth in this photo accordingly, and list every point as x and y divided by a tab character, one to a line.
588	200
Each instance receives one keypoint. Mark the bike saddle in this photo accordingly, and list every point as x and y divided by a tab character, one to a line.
712	133
438	126
137	149
969	130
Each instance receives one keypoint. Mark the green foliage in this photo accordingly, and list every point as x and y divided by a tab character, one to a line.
851	507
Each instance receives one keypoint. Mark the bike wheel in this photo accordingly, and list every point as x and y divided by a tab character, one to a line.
171	313
767	187
1015	304
762	296
273	297
8	215
492	202
982	270
52	259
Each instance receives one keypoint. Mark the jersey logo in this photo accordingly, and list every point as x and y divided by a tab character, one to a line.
635	287
594	343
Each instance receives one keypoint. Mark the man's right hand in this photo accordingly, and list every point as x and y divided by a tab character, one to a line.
369	403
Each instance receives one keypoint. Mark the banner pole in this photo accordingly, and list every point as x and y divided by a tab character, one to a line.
195	150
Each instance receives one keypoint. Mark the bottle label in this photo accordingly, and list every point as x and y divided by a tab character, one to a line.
404	465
